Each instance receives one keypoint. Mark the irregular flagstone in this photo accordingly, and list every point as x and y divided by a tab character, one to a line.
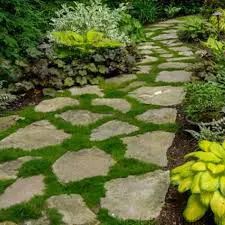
86	163
121	79
146	52
161	51
174	76
73	209
166	55
136	197
171	21
180	59
174	65
8	121
81	117
9	170
23	190
163	95
144	69
147	46
148	59
132	85
159	116
165	36
36	135
41	221
149	147
7	223
89	89
116	103
55	104
111	129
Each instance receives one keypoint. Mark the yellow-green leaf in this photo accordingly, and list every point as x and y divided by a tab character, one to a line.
199	166
222	185
185	184
195	187
185	166
208	182
195	210
206	197
204	145
175	179
216	168
217	149
204	156
218	204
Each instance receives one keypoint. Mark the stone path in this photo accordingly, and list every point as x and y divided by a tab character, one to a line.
91	141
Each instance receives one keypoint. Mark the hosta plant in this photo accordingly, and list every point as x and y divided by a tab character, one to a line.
204	177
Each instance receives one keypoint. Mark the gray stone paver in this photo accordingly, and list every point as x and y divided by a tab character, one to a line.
121	79
136	197
36	135
8	121
144	69
174	65
91	90
86	163
174	76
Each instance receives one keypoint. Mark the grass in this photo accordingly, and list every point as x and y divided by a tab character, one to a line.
92	189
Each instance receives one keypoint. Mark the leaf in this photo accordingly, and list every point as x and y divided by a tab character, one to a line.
215	169
185	166
204	145
199	166
195	187
217	149
195	210
175	179
209	182
222	185
69	82
185	184
206	197
218	204
204	156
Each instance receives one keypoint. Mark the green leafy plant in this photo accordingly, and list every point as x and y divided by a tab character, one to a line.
221	23
203	102
195	29
204	177
172	11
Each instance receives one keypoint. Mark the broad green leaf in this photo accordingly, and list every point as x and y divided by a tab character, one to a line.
204	156
206	197
199	166
218	204
195	187
217	149
216	168
185	166
185	184
204	145
222	185
208	182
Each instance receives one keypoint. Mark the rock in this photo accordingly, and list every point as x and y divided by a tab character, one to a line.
136	197
121	79
149	147
174	65
165	36
8	121
174	76
166	55
115	103
132	85
55	104
146	46
159	116
111	129
86	163
144	69
181	59
161	51
148	59
146	52
36	135
81	117
41	221
23	190
73	209
164	95
89	89
9	170
7	223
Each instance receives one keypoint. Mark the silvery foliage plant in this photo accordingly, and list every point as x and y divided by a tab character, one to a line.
82	18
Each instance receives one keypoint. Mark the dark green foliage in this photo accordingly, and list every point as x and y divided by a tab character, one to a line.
204	102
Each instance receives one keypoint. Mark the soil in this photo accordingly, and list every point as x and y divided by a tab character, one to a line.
175	201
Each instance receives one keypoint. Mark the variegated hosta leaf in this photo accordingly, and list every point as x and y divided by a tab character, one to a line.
175	179
218	204
216	168
185	166
205	156
204	145
185	184
206	197
217	149
195	187
222	185
199	166
208	182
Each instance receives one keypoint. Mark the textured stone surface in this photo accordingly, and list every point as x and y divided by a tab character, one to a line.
144	69
183	50
148	59
7	223
133	85
180	59
136	197
164	95
174	65
174	76
159	116
73	209
23	190
81	117
36	135
146	52
111	129
116	103
146	46
9	170
121	79
167	55
8	121
41	221
149	147
86	163
54	104
89	89
165	36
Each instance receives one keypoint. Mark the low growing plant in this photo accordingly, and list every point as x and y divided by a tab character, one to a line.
172	11
204	178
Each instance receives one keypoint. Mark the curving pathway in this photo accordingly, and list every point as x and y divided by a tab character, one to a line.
97	154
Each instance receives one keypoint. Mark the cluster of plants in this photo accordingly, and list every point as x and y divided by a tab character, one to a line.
204	177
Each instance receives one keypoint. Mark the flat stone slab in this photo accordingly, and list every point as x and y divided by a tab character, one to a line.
9	170
149	147
7	223
8	121
55	104
133	85
165	37
148	59
162	95
146	46
23	190
159	116
183	50
174	76
137	197
121	79
116	103
181	59
81	117
36	135
73	209
146	52
174	65
41	221
143	69
86	90
86	163
111	129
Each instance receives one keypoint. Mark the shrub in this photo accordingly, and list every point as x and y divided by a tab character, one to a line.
204	177
172	11
195	29
203	102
